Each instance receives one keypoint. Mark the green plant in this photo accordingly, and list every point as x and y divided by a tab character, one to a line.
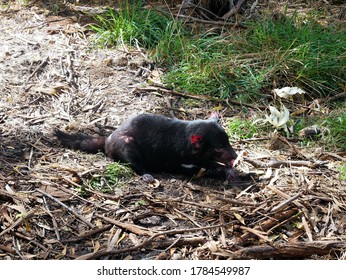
342	170
113	177
132	25
336	125
238	128
289	51
303	53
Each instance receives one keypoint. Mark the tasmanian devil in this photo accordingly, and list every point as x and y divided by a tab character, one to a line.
154	143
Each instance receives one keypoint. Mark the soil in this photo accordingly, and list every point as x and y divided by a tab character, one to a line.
52	76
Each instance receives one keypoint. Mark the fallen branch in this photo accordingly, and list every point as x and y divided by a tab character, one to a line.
282	163
341	96
299	250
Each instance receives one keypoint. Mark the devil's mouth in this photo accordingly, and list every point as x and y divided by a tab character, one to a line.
230	164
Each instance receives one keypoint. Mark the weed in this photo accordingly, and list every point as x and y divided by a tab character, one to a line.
113	177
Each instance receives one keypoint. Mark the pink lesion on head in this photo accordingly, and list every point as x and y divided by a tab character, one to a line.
127	139
195	139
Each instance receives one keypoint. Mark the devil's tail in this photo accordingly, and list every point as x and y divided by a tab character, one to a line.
80	141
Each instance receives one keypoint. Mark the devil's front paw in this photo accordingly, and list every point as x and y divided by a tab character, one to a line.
148	178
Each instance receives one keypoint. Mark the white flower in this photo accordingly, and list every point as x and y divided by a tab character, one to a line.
277	118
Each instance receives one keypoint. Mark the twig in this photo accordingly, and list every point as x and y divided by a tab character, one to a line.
87	234
235	202
284	203
282	163
270	222
181	241
234	10
80	217
42	64
282	194
7	249
307	228
55	224
130	227
188	217
341	95
19	221
256	232
253	6
293	147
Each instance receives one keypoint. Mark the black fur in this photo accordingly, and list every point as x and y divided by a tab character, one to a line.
153	143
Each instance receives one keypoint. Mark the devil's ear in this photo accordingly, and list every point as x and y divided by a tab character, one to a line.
214	116
195	141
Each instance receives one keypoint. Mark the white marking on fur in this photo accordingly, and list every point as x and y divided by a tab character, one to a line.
188	165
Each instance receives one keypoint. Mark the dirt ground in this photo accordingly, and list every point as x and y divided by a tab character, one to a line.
51	76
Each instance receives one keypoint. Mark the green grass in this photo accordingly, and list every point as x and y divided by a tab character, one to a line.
335	122
113	177
332	125
239	128
131	25
342	170
288	52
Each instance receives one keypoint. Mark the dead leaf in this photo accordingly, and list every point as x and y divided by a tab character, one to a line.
239	218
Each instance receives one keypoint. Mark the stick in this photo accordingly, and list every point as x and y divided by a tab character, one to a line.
19	221
87	234
42	64
234	10
299	250
80	217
